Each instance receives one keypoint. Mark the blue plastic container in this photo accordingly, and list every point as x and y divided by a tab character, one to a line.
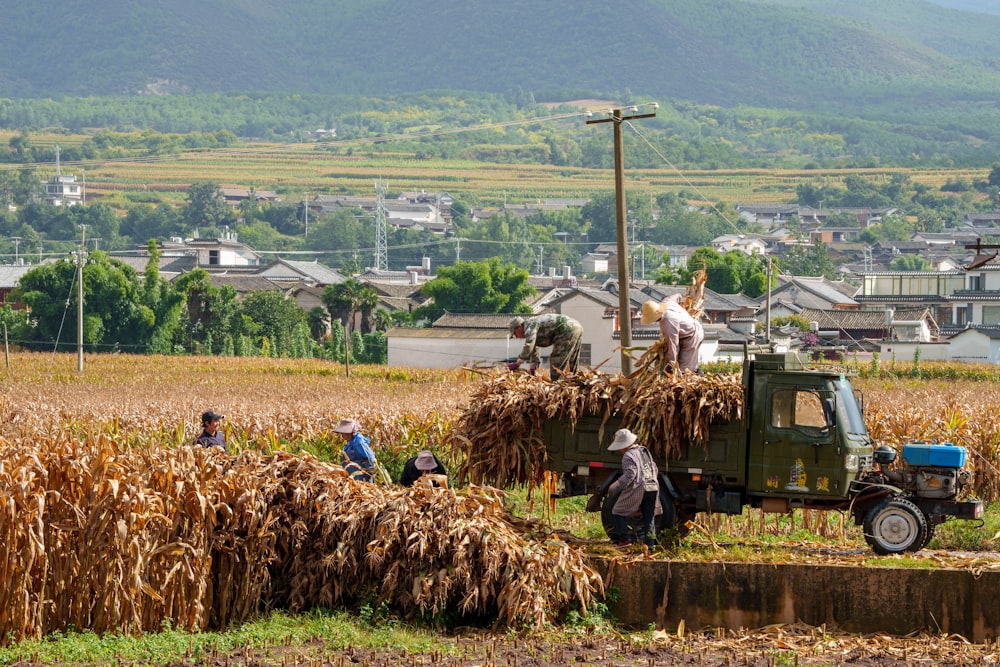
942	456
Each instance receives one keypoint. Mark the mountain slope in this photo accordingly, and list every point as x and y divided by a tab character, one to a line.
717	51
950	32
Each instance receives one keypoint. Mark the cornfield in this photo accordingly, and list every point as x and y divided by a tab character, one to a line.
109	521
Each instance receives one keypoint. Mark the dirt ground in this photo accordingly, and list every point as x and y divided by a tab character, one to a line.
778	645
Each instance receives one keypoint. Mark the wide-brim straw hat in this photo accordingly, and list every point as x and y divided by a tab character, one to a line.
425	461
624	439
652	311
347	426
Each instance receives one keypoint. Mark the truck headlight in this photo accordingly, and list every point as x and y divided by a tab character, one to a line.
851	463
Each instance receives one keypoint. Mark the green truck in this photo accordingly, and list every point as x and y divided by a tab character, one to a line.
801	442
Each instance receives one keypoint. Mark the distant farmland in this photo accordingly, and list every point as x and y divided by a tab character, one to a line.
295	170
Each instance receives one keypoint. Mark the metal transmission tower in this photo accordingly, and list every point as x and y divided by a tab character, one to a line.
381	260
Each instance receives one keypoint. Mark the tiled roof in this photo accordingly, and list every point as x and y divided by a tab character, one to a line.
845	319
992	332
10	275
396	290
323	275
473	321
242	283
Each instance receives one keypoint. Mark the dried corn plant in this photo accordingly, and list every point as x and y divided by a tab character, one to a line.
120	538
694	295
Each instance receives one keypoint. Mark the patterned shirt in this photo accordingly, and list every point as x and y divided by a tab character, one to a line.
546	330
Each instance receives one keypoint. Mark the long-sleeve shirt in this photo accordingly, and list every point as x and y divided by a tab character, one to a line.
545	330
683	335
358	450
637	468
217	439
411	473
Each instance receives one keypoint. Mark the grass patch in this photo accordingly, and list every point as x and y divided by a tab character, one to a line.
310	635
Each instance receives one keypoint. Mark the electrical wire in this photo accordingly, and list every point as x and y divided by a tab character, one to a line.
65	311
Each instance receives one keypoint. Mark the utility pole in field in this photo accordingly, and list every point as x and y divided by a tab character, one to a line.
79	299
624	283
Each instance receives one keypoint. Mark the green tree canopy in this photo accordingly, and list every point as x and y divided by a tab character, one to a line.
272	316
909	263
206	207
113	312
489	286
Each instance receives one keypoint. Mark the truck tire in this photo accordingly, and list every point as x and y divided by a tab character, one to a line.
664	522
895	525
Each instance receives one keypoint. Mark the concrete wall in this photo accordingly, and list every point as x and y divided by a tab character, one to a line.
452	352
852	599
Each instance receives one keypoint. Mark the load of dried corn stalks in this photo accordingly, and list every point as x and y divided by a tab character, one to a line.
120	539
501	430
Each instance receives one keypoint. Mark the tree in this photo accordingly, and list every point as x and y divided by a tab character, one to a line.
206	207
814	261
114	315
909	263
994	177
273	316
317	319
208	313
164	301
489	286
344	300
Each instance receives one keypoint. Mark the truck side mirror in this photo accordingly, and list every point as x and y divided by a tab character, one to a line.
830	411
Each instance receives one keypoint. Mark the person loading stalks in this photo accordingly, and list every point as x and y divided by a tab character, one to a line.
640	490
682	333
563	333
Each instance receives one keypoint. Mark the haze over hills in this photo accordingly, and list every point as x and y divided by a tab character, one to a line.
804	54
982	6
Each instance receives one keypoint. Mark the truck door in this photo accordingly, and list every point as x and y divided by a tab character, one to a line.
797	454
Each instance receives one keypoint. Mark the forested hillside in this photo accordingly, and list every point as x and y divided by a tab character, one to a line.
846	55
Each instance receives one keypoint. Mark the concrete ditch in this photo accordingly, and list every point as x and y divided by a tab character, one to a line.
895	601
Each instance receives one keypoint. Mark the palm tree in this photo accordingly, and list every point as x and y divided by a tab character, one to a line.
317	320
344	300
381	320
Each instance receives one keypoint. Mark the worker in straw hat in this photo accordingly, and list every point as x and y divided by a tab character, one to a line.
357	457
639	489
683	334
424	463
563	333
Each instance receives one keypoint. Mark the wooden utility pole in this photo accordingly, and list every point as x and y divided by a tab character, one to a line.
621	232
79	300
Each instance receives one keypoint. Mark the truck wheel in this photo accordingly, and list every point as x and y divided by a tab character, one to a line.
663	522
928	537
895	525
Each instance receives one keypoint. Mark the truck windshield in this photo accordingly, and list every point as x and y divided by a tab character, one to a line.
850	417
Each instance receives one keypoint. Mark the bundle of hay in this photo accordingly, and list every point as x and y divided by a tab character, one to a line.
95	535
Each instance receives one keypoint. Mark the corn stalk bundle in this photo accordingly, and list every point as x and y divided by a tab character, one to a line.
694	296
115	538
501	431
425	551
